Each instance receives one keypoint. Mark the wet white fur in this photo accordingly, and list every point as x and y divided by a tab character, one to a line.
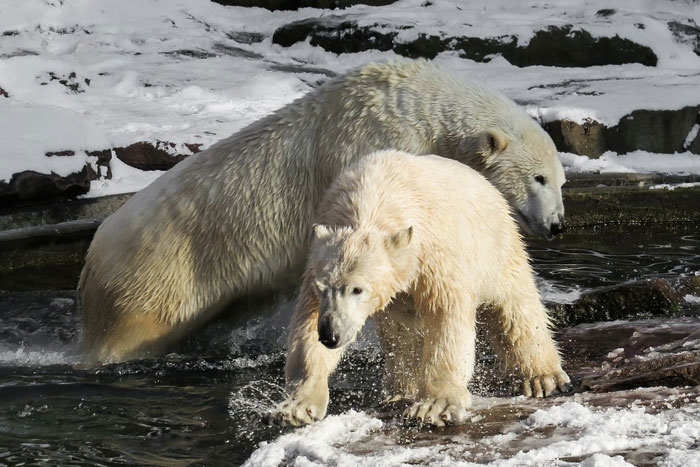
235	219
426	241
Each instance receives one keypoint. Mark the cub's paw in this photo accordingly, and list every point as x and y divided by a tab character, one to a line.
295	412
438	411
547	385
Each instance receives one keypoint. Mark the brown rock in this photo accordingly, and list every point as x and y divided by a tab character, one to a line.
587	139
145	156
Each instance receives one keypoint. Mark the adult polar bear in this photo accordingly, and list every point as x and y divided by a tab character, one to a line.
235	219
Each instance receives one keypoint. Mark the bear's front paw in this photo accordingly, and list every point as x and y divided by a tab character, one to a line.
296	412
437	411
547	385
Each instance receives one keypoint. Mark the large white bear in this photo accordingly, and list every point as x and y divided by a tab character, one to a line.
420	243
235	219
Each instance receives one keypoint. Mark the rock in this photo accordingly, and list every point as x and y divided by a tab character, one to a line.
3	93
686	33
605	12
30	185
654	297
662	131
71	81
296	4
233	51
612	206
631	354
334	33
44	256
587	138
555	46
244	37
145	156
191	53
30	214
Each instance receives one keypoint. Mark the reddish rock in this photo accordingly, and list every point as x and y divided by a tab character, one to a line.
145	156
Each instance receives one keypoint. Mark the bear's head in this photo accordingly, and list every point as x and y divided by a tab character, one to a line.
355	274
522	162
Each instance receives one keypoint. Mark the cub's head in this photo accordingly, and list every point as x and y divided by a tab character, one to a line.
523	164
355	274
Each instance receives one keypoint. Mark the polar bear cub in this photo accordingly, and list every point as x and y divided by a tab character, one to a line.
417	243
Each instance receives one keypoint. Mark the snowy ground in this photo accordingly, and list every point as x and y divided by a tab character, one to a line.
86	75
573	431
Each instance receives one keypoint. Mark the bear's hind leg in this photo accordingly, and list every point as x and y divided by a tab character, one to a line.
133	335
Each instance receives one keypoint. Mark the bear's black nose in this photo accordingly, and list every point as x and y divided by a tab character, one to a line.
557	228
327	336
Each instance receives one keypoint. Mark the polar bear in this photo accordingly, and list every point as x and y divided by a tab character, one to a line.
418	244
235	219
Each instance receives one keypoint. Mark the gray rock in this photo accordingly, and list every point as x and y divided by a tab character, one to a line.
296	4
555	46
686	33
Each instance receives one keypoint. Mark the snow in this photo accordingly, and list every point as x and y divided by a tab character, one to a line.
671	187
575	429
694	299
83	75
317	444
692	135
636	161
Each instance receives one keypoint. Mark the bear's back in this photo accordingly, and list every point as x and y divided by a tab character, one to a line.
392	188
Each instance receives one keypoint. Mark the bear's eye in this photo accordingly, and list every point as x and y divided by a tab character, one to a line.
540	179
357	291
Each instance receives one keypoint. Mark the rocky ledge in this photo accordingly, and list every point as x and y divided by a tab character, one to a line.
559	46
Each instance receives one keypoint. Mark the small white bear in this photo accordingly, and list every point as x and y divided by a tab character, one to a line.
418	244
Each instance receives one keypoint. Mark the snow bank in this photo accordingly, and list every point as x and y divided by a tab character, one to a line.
637	161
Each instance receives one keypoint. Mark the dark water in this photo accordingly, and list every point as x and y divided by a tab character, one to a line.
202	404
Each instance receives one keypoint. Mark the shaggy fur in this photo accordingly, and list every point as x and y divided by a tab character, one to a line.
235	219
422	255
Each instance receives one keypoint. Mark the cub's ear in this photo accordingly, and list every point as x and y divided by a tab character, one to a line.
322	231
399	240
488	144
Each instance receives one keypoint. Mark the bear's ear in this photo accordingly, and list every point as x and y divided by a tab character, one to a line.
321	231
494	142
399	240
487	144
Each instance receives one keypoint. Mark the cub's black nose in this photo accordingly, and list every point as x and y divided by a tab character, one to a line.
557	228
327	336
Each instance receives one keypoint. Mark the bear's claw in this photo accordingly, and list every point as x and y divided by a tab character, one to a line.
436	412
292	412
547	385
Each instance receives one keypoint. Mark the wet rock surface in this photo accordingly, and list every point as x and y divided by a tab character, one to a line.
625	355
645	298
